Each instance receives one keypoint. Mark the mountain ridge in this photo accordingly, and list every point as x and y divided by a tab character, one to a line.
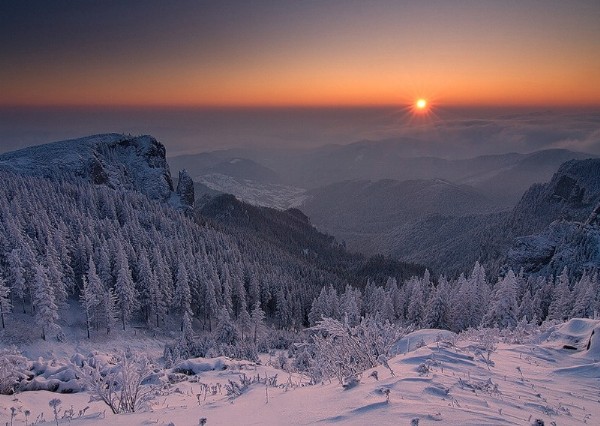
115	160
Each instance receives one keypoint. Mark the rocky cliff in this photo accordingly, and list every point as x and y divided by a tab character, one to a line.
135	163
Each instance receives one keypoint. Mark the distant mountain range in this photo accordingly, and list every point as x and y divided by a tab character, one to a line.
502	178
364	213
435	222
379	197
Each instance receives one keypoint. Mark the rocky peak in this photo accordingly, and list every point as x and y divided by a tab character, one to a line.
135	163
185	189
572	194
557	223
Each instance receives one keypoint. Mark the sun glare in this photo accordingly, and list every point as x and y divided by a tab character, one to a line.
421	104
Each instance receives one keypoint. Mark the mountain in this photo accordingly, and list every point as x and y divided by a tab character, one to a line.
557	222
364	213
503	178
572	194
136	163
552	226
91	212
246	179
292	231
448	227
507	185
225	163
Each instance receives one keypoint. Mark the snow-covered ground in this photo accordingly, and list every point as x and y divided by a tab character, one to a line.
456	383
277	196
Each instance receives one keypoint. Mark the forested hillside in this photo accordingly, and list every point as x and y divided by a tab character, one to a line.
135	260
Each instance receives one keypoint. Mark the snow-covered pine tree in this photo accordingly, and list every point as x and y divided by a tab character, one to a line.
88	302
283	312
55	274
562	303
414	313
182	299
16	276
124	288
152	303
46	311
481	294
350	304
95	288
584	297
5	305
319	308
437	309
503	309
110	310
258	322
164	278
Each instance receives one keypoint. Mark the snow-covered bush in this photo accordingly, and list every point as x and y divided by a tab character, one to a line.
13	369
341	351
122	384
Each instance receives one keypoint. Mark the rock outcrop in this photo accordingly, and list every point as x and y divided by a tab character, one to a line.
185	189
135	163
558	222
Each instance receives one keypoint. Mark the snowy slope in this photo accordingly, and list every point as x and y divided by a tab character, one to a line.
118	161
449	382
257	193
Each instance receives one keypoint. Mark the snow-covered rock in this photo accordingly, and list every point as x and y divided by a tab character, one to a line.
257	193
135	163
558	222
577	334
420	338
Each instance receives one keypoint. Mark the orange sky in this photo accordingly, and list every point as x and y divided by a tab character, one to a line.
302	53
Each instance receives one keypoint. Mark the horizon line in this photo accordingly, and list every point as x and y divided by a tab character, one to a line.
297	106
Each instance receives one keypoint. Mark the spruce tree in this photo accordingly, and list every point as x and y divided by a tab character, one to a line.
46	311
5	305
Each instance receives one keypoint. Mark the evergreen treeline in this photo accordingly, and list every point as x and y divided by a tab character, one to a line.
467	302
130	259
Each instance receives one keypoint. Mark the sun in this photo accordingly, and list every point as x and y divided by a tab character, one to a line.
421	104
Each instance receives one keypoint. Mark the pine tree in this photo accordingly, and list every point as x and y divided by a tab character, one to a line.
152	301
319	308
584	298
282	309
109	306
526	308
480	297
5	305
187	330
96	293
46	311
124	288
562	304
182	299
225	332
350	302
164	279
88	301
414	313
258	322
210	303
55	275
503	308
244	322
437	310
16	275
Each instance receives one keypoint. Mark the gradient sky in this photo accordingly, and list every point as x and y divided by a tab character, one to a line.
223	53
